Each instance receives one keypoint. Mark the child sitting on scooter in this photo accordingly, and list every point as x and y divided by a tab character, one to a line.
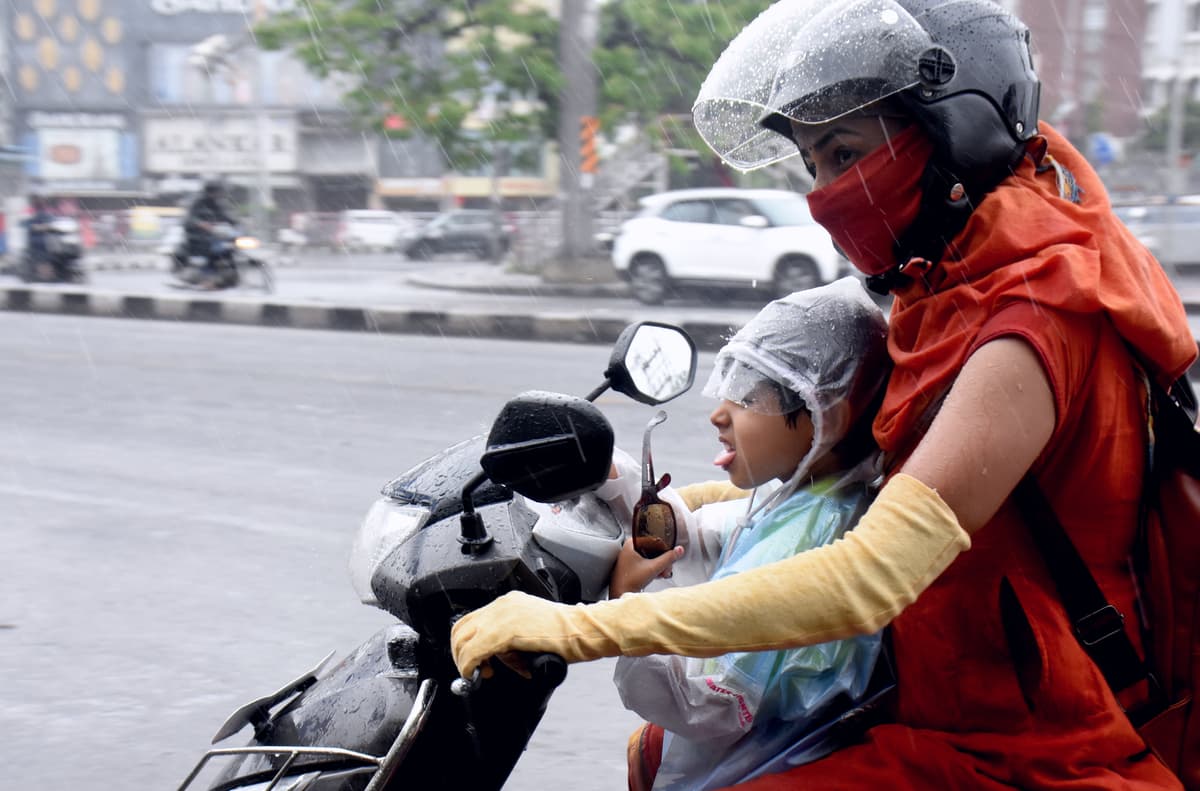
799	386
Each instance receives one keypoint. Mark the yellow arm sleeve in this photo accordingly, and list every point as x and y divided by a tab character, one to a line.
698	494
855	585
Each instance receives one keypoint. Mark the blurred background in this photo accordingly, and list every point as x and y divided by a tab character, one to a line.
559	115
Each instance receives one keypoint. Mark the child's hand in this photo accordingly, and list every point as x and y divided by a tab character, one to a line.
634	572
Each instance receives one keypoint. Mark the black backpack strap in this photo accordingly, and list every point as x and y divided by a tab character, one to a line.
1098	625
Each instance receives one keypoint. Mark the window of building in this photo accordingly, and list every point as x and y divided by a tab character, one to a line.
284	81
174	80
1095	15
1151	90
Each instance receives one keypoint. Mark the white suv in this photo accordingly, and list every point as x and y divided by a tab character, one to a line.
724	237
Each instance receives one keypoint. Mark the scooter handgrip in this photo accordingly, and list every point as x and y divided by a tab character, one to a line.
548	669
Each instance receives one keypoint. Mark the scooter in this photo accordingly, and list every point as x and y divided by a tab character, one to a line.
236	260
512	511
63	259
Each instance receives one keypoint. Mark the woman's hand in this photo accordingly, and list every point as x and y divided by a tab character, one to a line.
634	572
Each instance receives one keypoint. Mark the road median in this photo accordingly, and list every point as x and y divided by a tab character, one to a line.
554	327
561	325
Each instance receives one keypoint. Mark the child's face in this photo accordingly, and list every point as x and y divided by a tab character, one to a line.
757	446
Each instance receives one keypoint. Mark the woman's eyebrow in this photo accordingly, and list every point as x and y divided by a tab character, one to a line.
826	138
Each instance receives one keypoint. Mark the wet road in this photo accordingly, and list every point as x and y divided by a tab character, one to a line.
382	280
178	504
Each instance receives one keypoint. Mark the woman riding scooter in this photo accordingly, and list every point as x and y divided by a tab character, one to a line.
1024	316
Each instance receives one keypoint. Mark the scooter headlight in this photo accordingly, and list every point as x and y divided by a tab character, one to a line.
387	525
246	243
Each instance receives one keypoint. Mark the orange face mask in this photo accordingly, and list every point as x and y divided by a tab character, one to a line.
866	208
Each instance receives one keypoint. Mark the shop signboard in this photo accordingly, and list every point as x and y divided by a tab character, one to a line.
81	152
219	146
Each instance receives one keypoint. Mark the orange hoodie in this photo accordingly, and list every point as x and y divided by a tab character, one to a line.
994	691
1025	243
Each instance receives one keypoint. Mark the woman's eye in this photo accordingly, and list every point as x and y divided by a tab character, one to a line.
843	157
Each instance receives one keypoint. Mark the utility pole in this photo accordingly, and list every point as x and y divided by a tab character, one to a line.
1170	49
215	53
577	39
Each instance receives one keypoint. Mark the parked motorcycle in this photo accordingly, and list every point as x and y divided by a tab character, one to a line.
63	259
512	511
237	260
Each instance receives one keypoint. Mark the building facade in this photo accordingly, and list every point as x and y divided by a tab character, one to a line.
114	108
1088	54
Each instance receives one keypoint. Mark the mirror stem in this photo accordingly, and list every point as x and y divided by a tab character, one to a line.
592	396
474	538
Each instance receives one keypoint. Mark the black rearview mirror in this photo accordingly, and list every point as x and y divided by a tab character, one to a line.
652	362
548	446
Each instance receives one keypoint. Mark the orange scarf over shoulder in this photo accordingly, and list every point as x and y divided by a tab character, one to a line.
1026	243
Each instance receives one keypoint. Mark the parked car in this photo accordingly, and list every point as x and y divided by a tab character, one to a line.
290	239
371	229
461	230
1171	230
724	237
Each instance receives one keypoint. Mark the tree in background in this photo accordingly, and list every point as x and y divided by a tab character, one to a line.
652	58
424	67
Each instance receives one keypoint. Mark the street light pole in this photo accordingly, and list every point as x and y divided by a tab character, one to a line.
499	168
215	52
266	200
1170	48
577	39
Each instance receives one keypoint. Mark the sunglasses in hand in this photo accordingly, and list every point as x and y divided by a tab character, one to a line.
654	530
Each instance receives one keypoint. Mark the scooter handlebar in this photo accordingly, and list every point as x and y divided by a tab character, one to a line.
549	670
545	670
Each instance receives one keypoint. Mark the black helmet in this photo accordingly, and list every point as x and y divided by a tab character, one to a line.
214	187
978	96
961	68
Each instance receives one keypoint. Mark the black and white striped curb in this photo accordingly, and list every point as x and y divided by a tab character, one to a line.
561	328
154	262
158	263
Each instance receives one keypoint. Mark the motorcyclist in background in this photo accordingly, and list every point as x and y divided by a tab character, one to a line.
203	215
37	228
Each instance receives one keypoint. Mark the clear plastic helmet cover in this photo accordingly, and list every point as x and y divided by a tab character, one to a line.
754	386
824	349
810	61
